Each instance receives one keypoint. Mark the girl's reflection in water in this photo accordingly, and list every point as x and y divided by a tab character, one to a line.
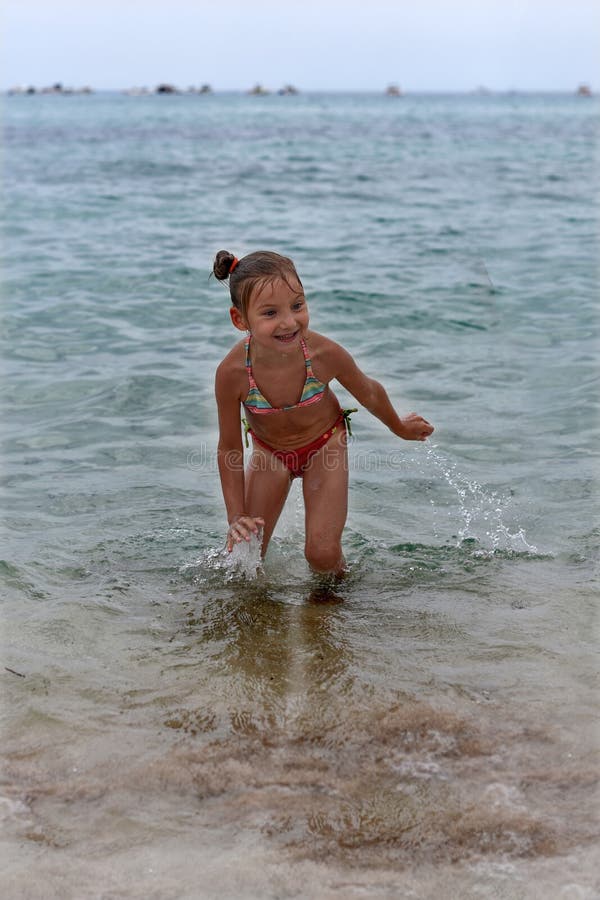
268	652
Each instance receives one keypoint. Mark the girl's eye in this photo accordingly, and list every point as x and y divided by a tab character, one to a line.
269	312
298	305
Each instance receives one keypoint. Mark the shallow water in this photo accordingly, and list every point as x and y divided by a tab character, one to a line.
178	726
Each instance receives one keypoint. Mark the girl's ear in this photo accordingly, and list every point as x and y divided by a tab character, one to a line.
238	319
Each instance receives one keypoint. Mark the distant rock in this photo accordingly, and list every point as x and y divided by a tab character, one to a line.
287	90
393	90
166	89
584	90
258	91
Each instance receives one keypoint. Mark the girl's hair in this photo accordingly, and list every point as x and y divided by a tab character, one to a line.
252	272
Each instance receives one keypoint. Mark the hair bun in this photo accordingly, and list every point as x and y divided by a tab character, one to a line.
224	260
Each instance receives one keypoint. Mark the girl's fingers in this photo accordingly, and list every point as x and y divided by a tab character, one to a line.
238	530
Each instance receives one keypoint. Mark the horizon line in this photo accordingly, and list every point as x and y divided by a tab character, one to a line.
53	89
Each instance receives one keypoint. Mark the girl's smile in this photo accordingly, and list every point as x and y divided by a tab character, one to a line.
287	338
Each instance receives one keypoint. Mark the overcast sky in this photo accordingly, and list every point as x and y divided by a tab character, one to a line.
315	44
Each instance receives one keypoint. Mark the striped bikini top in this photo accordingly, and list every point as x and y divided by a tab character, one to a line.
256	402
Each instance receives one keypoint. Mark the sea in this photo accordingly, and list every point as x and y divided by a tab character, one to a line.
181	724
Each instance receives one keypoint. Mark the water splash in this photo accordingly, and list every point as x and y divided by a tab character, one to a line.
244	560
481	511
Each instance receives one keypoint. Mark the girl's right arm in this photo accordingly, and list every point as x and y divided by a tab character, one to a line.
230	458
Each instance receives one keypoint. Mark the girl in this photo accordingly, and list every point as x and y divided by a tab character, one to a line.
280	373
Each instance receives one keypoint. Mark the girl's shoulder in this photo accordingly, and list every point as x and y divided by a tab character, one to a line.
231	371
318	343
235	359
321	347
327	355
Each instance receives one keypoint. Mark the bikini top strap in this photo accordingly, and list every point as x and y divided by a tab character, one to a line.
307	359
248	363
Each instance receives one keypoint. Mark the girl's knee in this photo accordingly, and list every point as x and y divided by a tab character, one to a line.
324	557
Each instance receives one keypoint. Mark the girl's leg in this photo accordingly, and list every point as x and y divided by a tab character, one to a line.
325	488
267	486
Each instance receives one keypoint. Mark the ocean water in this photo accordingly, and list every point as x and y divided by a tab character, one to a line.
181	725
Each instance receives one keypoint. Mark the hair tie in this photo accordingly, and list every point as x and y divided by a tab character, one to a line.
233	264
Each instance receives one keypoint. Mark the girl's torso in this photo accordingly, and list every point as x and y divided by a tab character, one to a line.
288	405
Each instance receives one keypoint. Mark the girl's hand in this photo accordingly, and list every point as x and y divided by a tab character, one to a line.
241	528
415	428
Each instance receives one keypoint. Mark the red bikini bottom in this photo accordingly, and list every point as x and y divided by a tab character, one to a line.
297	460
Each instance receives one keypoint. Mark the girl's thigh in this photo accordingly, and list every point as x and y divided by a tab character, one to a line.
267	486
325	489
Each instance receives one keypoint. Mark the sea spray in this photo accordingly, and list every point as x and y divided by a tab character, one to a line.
243	561
480	511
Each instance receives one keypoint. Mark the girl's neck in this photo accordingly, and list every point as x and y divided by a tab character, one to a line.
273	358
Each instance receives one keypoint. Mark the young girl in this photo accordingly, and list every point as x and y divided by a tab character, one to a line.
280	373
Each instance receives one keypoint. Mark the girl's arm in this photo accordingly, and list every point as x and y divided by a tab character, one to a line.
373	396
230	458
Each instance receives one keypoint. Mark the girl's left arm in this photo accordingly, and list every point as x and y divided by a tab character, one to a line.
373	396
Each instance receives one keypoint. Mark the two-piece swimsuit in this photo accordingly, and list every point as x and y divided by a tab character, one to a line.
295	460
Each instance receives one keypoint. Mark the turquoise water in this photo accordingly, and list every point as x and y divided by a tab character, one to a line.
174	729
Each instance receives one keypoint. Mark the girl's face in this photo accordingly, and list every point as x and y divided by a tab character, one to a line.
277	315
